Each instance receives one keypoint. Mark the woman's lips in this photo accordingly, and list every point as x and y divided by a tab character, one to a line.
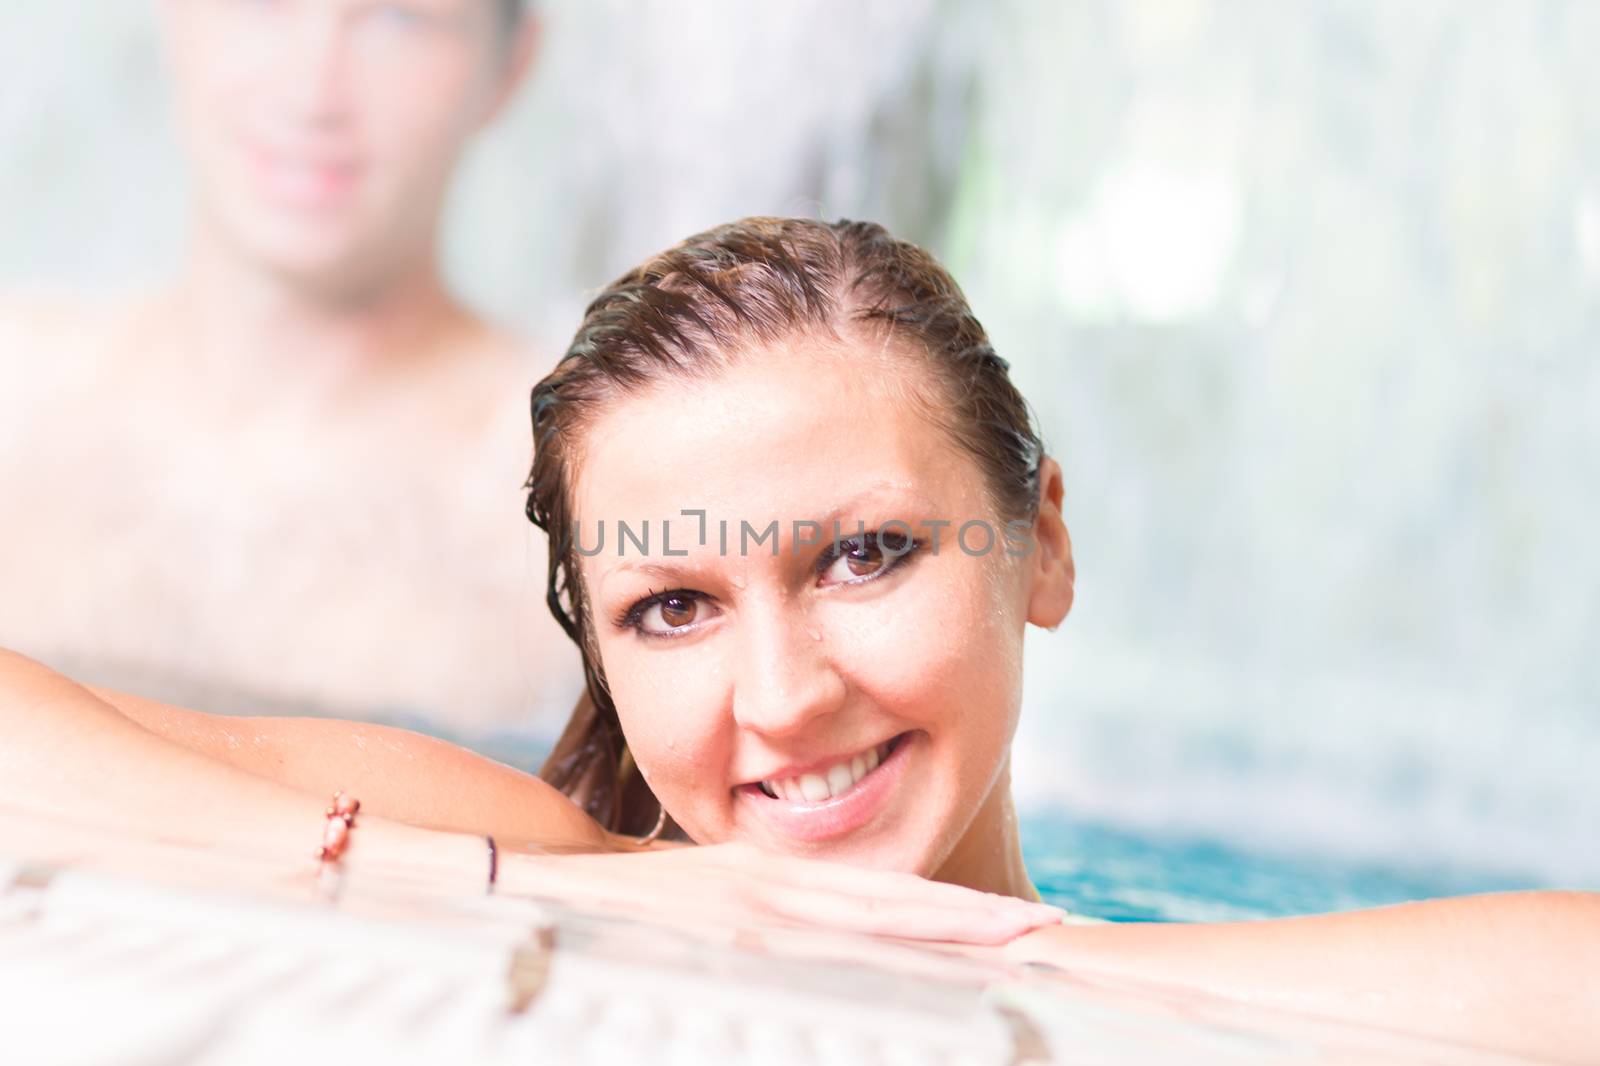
837	815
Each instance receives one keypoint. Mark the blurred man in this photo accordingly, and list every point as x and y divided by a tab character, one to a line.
290	481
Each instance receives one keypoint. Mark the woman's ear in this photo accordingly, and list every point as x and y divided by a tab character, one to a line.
1051	573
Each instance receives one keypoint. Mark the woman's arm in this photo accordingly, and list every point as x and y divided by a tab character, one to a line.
1515	971
70	759
398	774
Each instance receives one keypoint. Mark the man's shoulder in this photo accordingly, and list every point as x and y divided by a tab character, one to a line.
479	383
48	336
41	322
25	315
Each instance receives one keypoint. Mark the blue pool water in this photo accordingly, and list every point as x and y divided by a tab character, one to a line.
1123	875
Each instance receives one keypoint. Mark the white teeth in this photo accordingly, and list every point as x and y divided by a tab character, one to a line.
837	780
840	779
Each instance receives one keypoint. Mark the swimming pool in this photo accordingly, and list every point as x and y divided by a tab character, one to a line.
1126	875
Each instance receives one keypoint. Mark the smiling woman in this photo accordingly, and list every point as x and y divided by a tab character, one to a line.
853	696
849	694
804	674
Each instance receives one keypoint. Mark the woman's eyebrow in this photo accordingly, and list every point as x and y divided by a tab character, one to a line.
644	566
874	494
665	571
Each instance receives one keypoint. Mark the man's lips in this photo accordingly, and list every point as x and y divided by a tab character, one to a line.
305	180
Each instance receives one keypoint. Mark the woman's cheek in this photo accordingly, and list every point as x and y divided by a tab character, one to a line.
671	705
920	655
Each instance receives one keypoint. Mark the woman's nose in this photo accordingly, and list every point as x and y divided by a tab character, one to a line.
785	677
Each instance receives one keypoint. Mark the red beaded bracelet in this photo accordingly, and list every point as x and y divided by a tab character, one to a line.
341	815
336	834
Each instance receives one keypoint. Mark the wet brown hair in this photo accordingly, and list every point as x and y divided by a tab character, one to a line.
692	310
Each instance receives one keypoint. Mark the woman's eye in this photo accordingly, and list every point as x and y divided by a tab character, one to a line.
664	614
863	561
676	611
867	557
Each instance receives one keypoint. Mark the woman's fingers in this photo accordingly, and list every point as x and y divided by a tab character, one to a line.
739	883
884	898
878	901
892	884
910	919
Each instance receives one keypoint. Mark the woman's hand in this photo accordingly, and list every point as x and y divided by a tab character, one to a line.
738	884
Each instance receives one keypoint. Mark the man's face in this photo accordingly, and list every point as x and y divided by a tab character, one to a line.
323	133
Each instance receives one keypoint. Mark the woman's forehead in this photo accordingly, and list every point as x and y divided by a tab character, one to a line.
791	434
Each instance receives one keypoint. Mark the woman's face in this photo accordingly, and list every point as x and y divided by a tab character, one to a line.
854	704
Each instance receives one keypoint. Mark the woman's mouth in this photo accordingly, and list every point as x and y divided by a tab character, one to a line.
830	800
833	781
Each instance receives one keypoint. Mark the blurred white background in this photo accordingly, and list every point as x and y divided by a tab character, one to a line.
1307	296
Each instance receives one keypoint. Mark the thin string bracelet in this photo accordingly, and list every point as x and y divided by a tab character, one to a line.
494	864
